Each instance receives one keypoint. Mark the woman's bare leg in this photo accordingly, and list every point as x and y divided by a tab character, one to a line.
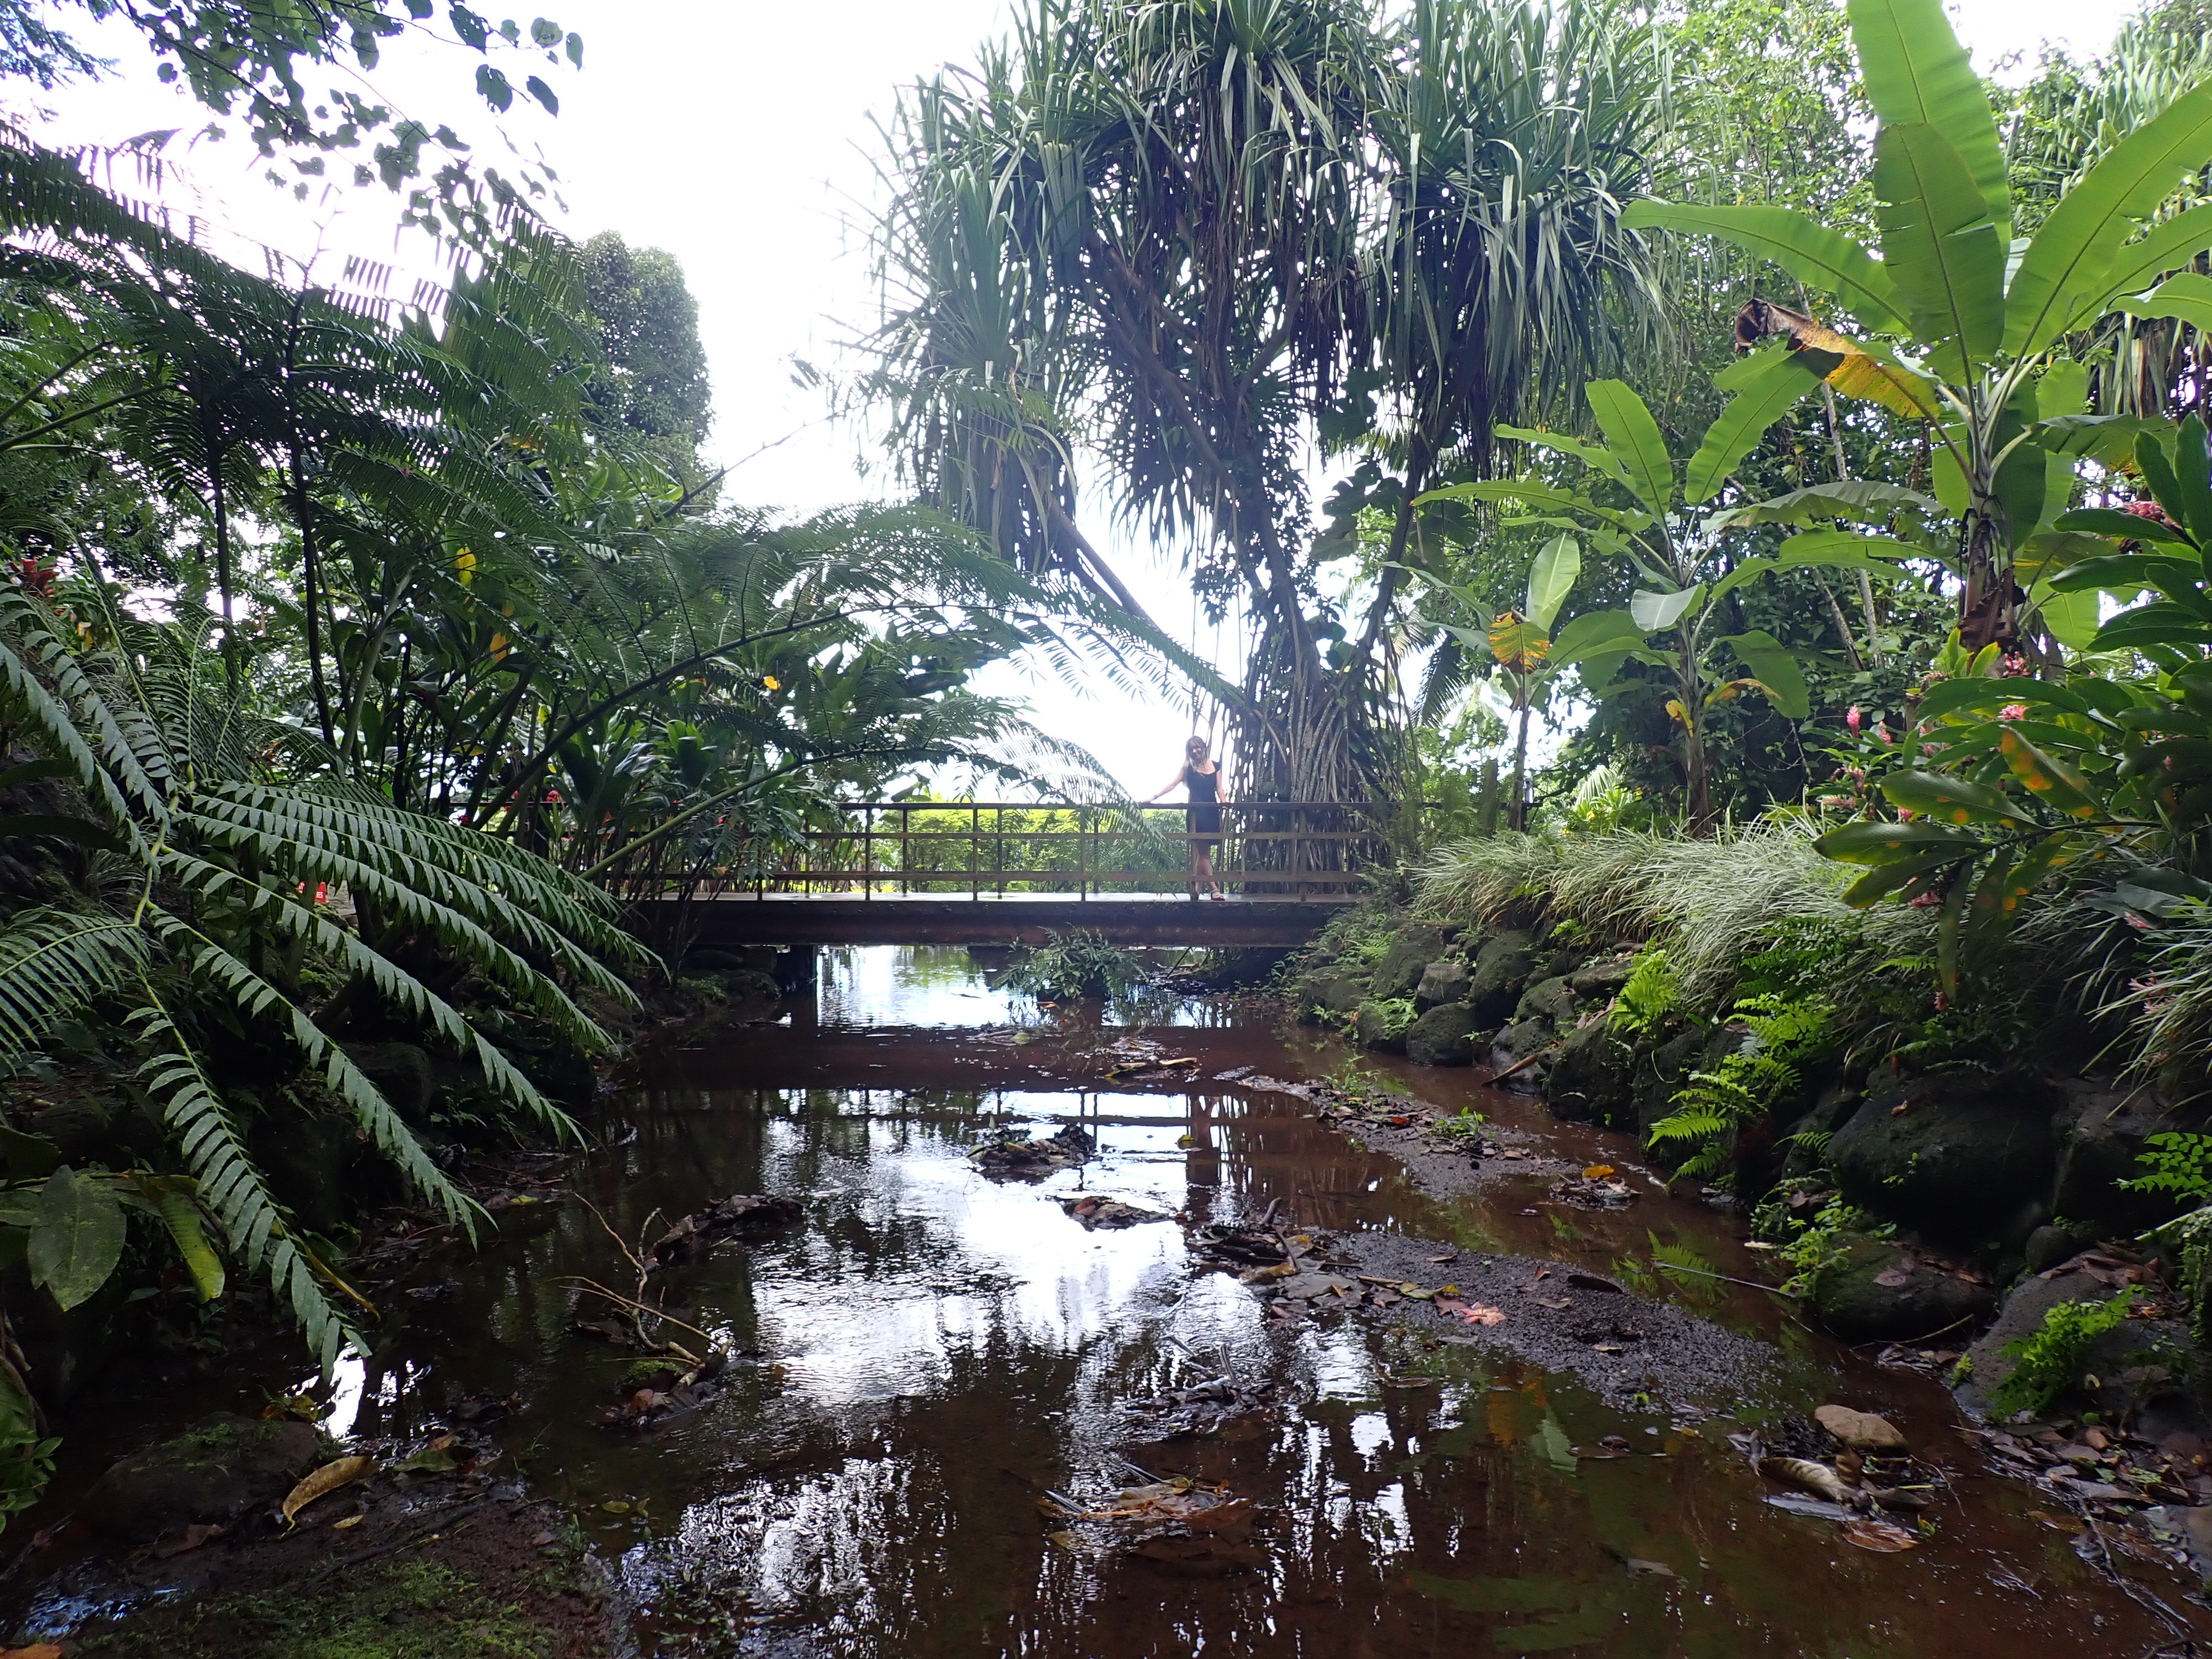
1206	870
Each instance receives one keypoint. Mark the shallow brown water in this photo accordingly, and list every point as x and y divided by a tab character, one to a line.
938	1349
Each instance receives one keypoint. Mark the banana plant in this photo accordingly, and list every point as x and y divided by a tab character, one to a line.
2004	782
1518	640
1959	319
1633	503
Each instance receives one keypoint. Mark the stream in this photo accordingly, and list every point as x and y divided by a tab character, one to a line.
937	1351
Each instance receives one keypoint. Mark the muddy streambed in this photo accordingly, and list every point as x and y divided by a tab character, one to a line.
935	1352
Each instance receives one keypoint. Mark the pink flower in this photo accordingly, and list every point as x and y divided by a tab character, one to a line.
1883	732
2013	711
1853	718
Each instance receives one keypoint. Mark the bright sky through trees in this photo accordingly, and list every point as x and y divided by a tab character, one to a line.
741	139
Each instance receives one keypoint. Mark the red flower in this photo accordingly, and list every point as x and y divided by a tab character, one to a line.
1853	718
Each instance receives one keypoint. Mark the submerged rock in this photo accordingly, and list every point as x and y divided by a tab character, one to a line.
211	1475
1873	1290
1951	1154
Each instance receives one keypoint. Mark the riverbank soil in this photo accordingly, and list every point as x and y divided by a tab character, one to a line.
1079	1336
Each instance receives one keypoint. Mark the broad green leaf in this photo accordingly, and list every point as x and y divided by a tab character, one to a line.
2107	439
1886	878
1654	613
2121	573
1939	245
1518	642
1986	916
1951	800
2052	781
2072	618
1955	696
1837	548
2167	247
2188	296
1947	934
1595	456
1916	73
1775	667
28	1156
1817	256
1883	843
1634	436
1552	578
1862	500
78	1237
2192	468
2120	526
2066	277
1762	398
169	1199
2048	552
1599	634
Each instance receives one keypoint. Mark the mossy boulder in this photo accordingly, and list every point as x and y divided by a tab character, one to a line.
1501	969
1383	1025
2103	1134
1442	1036
1597	981
1441	982
1339	993
1410	951
1871	1290
1515	1044
1662	1071
1593	1077
402	1072
215	1471
1952	1154
1552	1000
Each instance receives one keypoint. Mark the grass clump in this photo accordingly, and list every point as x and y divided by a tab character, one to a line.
2047	1363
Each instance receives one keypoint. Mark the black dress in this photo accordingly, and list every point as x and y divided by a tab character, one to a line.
1205	809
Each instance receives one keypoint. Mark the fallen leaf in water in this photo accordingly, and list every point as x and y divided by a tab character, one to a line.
1481	1313
1598	1172
2065	1523
190	1539
615	1506
1884	1536
36	1651
328	1478
346	1525
436	1458
1655	1569
1812	1477
1892	1278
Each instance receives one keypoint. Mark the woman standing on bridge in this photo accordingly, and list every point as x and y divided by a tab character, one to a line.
1203	778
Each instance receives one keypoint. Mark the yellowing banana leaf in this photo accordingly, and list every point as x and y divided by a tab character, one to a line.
339	1472
1516	642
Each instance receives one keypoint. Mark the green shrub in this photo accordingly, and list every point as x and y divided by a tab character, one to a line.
1652	994
1077	964
2049	1362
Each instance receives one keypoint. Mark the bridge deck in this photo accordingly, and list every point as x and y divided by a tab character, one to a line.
1001	919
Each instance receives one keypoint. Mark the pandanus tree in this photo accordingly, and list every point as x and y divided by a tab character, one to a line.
1958	319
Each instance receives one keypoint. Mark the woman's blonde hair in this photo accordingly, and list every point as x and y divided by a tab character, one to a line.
1195	744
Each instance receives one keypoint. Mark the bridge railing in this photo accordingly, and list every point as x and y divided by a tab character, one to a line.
1306	850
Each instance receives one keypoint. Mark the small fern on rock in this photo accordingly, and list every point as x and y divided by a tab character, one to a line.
1783	1035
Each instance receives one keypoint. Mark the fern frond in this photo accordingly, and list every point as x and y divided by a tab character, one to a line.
52	964
230	1183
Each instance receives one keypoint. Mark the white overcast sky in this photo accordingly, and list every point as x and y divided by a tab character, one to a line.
741	136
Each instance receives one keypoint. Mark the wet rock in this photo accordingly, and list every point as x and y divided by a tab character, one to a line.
1380	1027
741	1215
1860	1430
749	988
1501	967
2049	1245
1095	1211
1441	1036
1310	1287
1033	1160
2186	1529
212	1473
1515	1044
1552	1000
83	1131
1597	981
1805	1140
310	1159
1662	1071
1339	993
1951	1154
1442	981
2103	1134
1872	1290
1411	949
1592	1076
2144	1370
402	1072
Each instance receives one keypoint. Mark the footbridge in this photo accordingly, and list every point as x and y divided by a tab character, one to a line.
1022	873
